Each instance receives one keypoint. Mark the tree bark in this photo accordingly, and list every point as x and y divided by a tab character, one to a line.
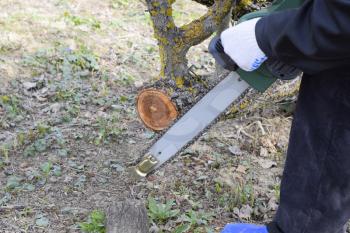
243	6
127	217
174	42
207	3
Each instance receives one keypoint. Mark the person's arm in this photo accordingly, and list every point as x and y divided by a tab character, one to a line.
314	38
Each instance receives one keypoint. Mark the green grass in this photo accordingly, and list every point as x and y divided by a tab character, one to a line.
78	63
240	195
119	3
108	129
80	20
194	221
95	223
11	105
160	212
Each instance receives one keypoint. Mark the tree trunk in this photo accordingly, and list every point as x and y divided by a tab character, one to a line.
207	3
127	217
243	6
174	43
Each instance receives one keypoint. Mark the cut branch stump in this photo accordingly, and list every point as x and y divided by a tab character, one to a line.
127	217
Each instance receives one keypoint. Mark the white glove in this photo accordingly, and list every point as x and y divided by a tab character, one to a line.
240	44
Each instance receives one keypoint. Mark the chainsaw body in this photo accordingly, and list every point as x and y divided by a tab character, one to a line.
269	71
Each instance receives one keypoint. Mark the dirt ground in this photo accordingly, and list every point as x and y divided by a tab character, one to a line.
68	126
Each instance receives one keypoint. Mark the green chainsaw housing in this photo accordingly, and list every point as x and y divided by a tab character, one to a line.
261	79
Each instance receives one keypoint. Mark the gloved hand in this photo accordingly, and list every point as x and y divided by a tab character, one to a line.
240	44
244	228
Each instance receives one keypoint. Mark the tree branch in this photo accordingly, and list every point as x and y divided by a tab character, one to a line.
162	16
174	42
207	3
200	29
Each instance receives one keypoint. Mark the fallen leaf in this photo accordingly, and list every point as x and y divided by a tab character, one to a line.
42	221
245	212
13	182
29	85
268	144
235	150
264	152
272	204
241	169
267	164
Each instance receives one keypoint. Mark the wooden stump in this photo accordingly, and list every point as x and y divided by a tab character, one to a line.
127	217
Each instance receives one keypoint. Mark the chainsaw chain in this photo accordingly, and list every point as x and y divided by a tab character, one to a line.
183	112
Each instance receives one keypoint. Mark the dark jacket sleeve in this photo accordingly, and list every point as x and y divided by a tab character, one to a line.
314	38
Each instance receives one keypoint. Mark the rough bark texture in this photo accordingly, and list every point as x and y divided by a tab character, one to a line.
174	42
242	6
207	3
127	217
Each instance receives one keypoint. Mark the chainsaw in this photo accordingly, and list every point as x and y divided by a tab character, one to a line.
212	105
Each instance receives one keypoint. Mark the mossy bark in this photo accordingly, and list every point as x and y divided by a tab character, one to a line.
242	6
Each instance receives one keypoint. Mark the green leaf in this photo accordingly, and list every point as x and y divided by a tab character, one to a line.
95	223
13	182
174	213
152	205
29	151
5	199
40	145
46	168
62	152
80	182
56	170
87	227
42	221
123	98
97	216
161	212
182	228
43	129
28	187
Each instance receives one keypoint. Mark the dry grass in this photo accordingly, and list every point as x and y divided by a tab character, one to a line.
116	30
65	142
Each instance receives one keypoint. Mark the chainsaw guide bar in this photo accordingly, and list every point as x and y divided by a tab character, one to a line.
192	124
